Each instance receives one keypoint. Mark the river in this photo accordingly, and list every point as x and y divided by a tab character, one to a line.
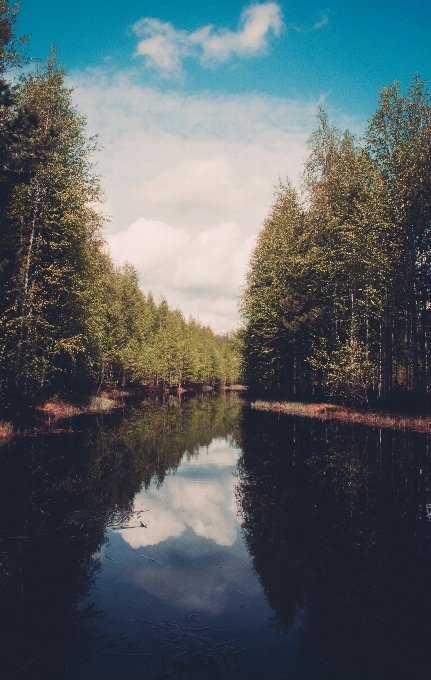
199	538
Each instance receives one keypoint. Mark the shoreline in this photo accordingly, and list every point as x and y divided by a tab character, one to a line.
325	411
51	411
47	414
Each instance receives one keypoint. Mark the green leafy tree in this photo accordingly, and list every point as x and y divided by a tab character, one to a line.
70	319
269	338
337	298
399	138
51	236
351	248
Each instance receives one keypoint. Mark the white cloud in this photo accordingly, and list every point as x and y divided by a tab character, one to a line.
208	507
189	180
256	22
320	24
165	47
198	503
192	161
187	269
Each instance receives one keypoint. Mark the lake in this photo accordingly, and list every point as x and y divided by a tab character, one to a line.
199	538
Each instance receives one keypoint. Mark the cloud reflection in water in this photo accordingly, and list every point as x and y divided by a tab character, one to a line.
200	496
203	562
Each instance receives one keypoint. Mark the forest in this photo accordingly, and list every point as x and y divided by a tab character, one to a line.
338	291
70	320
337	298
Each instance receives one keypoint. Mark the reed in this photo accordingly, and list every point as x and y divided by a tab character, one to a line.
347	415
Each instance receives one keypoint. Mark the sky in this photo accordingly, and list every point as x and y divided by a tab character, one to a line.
200	109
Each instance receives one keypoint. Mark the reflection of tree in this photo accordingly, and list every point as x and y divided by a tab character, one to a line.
49	565
48	561
335	520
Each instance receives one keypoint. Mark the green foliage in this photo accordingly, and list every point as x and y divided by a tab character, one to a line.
269	296
48	238
338	289
69	319
11	53
399	138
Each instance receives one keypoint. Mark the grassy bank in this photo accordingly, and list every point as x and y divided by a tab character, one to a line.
44	417
347	415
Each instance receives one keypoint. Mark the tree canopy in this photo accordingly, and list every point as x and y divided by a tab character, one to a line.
69	318
338	292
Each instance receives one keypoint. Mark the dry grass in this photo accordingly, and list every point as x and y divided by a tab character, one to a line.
101	404
6	430
347	415
58	409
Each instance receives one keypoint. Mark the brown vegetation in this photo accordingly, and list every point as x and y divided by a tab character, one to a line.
347	415
57	409
178	390
6	430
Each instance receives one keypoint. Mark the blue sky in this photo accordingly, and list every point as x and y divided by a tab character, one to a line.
359	46
200	107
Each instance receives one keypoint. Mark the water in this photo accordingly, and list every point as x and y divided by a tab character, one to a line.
208	540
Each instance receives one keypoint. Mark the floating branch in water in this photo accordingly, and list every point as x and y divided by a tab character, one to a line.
205	654
157	561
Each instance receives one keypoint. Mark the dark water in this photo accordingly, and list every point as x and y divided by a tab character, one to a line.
208	540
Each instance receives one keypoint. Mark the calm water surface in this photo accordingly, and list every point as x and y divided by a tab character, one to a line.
206	540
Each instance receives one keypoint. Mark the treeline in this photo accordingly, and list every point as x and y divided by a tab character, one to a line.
338	293
70	319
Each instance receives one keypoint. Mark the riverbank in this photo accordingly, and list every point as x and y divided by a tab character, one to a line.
347	415
59	409
45	417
